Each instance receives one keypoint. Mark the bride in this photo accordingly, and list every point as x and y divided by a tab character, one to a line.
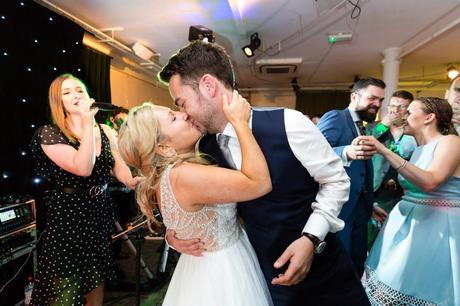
198	200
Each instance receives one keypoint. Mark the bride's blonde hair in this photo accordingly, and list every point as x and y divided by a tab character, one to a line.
138	139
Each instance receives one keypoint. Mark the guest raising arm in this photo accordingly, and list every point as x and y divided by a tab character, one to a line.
447	155
414	258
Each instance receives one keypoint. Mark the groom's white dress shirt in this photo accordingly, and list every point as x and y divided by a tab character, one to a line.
314	152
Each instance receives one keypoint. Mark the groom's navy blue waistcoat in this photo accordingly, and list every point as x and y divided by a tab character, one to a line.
275	220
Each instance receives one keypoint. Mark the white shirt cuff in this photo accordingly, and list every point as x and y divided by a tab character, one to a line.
317	225
345	161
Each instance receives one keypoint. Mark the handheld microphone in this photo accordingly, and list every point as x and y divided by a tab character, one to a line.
105	107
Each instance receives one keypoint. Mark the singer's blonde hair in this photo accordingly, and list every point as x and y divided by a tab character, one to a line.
58	112
138	140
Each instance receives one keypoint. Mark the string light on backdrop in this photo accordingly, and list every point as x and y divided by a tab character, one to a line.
47	46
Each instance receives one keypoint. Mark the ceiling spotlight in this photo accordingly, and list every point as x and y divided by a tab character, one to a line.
452	72
249	50
199	32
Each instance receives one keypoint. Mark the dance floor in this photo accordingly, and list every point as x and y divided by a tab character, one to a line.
123	293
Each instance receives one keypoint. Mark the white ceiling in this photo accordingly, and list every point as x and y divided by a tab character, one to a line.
427	31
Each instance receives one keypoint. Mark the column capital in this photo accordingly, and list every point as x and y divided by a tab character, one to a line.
392	53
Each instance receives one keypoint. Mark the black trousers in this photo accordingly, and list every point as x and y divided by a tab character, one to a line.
332	281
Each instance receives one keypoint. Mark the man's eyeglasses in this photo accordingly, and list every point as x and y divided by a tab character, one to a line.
400	106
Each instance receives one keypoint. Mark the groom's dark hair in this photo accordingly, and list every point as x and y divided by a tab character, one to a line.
197	59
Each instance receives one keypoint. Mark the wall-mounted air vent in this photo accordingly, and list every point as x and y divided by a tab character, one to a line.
274	69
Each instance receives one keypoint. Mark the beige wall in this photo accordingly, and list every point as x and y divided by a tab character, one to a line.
130	89
272	98
437	92
287	98
130	83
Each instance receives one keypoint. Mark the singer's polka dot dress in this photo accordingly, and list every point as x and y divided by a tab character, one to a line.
75	252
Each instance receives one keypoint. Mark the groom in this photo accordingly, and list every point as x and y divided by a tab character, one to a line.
288	226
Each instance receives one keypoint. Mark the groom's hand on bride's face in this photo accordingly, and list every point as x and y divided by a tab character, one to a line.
300	256
190	246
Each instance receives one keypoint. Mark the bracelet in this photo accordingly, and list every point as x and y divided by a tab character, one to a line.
402	165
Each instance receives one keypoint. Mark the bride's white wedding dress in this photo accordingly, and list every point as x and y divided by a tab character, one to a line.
228	273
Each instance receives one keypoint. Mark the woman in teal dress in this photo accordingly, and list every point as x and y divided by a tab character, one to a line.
416	257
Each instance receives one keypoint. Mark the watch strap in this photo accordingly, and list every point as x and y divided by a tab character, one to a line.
315	240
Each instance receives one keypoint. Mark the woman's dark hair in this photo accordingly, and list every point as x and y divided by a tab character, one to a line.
443	112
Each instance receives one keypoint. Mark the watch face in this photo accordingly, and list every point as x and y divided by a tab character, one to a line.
320	247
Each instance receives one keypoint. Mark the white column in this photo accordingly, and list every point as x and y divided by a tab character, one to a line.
390	63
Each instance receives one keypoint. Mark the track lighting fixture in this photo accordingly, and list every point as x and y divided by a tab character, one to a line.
249	50
200	32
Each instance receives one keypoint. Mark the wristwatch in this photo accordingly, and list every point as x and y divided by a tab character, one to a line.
319	245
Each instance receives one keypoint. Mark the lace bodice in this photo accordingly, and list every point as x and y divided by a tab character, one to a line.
216	225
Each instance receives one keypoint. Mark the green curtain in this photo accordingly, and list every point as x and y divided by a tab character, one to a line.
96	74
315	102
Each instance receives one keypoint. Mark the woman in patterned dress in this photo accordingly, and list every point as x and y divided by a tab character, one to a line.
160	143
78	157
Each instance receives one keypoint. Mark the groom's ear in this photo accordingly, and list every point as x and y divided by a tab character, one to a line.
208	85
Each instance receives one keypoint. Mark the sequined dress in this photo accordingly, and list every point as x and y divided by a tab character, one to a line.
416	257
75	253
228	273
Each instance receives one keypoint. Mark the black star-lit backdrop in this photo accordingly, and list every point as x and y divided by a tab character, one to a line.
36	46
